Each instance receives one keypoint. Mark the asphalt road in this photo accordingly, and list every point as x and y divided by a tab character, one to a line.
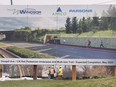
68	51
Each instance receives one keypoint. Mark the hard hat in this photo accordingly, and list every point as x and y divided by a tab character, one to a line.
60	66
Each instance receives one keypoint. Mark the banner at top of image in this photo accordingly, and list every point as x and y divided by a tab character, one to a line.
57	11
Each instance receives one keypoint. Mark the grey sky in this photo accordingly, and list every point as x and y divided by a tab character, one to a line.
11	23
56	2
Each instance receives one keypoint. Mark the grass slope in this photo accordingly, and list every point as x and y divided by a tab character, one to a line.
3	44
26	53
98	34
104	82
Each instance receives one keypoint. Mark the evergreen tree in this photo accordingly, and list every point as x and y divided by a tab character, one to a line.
68	25
95	23
112	19
74	25
79	30
84	26
111	11
112	24
89	24
104	23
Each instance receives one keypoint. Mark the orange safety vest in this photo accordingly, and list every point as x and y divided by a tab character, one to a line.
52	71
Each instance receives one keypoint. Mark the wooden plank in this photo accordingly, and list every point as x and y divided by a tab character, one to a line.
114	70
34	72
20	71
73	72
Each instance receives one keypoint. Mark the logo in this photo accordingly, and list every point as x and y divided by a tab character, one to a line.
30	11
59	12
80	10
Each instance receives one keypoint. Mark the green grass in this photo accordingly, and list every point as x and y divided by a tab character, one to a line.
98	34
106	34
104	82
3	44
88	34
26	53
68	35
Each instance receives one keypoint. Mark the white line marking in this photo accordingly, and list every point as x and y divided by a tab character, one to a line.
45	49
65	56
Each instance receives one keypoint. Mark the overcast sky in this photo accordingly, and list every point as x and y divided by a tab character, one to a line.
11	23
51	2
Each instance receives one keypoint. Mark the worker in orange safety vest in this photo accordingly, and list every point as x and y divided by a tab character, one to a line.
52	72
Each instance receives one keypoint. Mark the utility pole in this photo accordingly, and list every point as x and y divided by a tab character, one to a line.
11	2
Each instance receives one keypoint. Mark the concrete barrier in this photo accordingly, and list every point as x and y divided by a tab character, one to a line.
95	42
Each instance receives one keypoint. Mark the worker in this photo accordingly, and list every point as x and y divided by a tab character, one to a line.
101	45
64	41
89	43
52	72
60	73
49	75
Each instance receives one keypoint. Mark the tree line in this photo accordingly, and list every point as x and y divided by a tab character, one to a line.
29	35
106	22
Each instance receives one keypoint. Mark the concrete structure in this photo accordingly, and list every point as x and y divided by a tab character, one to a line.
8	34
95	42
49	37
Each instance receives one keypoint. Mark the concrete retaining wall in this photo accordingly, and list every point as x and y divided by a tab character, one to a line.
95	42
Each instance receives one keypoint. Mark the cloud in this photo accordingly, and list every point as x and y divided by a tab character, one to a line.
44	23
7	23
11	23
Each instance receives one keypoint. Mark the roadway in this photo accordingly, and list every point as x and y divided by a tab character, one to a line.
68	51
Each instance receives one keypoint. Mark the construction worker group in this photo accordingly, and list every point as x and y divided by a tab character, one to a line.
52	72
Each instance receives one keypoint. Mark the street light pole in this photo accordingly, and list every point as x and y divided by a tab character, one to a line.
11	2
